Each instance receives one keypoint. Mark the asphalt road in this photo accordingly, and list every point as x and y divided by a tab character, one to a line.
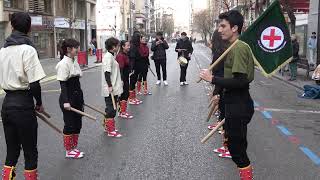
163	140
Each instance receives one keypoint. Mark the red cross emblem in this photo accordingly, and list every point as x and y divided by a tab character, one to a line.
272	37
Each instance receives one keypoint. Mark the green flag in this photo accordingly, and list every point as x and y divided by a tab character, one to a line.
269	40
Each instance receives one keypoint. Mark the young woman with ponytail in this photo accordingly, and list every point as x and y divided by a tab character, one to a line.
123	61
68	74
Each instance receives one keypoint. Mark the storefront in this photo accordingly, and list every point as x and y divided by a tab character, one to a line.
42	35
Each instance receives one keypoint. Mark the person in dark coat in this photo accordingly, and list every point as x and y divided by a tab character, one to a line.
159	47
185	49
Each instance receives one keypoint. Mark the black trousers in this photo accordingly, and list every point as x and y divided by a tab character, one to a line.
72	120
143	76
110	111
125	94
183	72
163	64
20	128
134	77
238	113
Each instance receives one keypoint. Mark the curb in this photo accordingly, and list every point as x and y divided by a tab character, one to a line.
283	80
54	77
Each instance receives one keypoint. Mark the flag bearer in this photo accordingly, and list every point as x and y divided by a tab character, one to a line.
238	73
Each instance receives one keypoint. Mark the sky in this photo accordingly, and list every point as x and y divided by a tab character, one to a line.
182	9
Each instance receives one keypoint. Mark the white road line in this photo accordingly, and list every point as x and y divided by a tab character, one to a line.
289	110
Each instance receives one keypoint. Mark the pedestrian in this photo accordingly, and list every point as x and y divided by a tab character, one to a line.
68	74
238	74
159	47
111	85
144	63
94	42
185	49
312	46
123	61
295	58
218	46
20	74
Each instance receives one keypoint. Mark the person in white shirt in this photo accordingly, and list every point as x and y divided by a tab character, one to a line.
68	74
111	85
312	46
20	73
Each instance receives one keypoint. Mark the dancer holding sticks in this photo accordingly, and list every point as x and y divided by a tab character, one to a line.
20	74
238	73
123	61
112	86
68	74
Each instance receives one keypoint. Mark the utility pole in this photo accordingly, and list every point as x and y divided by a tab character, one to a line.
318	36
86	31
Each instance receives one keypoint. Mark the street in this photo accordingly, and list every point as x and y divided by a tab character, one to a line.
163	139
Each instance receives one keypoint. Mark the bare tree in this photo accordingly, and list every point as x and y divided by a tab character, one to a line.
287	6
203	23
168	25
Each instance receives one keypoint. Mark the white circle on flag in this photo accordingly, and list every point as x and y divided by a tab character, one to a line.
272	37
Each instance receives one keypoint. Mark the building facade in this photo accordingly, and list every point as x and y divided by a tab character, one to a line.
51	22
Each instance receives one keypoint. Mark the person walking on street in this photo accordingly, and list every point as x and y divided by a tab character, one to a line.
312	46
295	58
238	74
145	63
185	49
20	74
159	47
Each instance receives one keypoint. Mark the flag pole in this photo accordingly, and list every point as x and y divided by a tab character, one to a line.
221	57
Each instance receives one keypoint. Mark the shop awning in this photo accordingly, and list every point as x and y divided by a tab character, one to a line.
299	5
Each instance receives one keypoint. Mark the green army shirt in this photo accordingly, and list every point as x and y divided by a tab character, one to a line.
239	60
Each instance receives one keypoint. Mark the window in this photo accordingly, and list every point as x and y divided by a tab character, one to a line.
40	6
15	4
80	9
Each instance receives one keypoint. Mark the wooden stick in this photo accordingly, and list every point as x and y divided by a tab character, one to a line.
113	101
46	114
220	58
152	71
211	102
95	109
83	113
214	109
44	119
213	131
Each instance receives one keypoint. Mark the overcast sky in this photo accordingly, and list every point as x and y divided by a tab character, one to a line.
182	9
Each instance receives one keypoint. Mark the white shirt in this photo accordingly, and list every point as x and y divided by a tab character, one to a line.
68	68
111	65
19	66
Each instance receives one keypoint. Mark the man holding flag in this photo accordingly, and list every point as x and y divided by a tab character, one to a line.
266	43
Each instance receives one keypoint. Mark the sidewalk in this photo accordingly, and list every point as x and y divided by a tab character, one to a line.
301	78
49	65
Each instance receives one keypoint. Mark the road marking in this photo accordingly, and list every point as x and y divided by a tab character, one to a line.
266	114
52	90
284	130
288	110
311	155
293	139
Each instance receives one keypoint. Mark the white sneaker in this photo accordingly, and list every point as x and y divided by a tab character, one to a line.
165	83
158	82
74	154
181	84
185	83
